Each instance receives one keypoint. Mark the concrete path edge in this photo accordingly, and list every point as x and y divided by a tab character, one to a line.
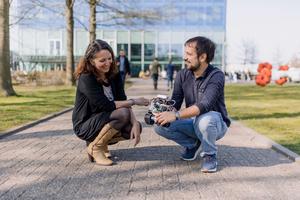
271	144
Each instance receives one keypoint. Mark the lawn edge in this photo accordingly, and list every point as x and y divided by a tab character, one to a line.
271	144
17	129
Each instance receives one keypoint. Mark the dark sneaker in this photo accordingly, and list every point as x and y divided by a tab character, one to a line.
191	154
209	164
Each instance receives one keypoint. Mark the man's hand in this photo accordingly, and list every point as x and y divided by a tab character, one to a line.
135	133
165	117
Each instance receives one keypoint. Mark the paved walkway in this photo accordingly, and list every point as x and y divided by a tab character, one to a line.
48	162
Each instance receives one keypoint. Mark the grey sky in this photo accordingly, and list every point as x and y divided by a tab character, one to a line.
274	25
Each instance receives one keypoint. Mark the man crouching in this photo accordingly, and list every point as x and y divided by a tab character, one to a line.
204	120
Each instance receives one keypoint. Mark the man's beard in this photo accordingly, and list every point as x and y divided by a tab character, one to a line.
195	67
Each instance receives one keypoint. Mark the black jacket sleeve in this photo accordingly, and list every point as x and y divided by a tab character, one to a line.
128	71
119	88
89	86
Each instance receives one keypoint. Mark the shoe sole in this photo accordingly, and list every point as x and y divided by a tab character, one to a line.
195	156
209	170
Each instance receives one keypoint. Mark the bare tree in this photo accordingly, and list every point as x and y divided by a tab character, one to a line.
277	57
127	16
6	87
295	61
70	42
68	14
56	8
116	16
28	12
92	20
248	53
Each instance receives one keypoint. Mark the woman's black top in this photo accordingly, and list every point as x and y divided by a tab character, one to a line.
92	108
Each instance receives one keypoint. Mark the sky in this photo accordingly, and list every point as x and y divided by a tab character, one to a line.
272	25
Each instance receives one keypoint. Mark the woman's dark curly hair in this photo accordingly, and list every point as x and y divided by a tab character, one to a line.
86	65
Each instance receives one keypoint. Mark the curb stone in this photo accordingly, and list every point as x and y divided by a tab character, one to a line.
272	144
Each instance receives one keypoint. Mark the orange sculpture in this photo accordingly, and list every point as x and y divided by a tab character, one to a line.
265	73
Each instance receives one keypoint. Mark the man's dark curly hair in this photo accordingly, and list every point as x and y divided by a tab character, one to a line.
203	45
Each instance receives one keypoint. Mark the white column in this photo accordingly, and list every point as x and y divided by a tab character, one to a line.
170	41
48	45
182	64
129	45
224	54
62	49
101	35
156	44
143	49
115	43
35	42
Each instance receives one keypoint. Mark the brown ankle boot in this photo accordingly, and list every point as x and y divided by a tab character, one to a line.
117	138
96	149
106	152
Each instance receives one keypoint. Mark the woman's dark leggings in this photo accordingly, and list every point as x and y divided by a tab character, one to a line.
120	120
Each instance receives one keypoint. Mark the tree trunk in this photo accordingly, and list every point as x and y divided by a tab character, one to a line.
93	4
6	88
70	42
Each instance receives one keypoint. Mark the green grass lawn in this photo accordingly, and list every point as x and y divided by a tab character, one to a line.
272	110
33	103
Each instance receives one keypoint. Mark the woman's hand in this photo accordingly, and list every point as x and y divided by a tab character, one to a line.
141	101
135	132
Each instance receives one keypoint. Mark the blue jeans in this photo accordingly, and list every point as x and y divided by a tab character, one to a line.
123	76
208	128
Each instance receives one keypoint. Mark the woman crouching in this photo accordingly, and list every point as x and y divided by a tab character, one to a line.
101	114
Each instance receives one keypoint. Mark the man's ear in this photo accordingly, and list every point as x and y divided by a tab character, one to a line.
202	58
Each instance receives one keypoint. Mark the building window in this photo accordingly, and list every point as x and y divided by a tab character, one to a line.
57	48
163	52
51	48
135	68
136	52
217	61
176	52
54	47
149	52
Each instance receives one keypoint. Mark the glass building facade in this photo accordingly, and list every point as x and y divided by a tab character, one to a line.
161	31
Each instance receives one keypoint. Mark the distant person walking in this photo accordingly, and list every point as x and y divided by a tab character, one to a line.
123	64
155	68
170	74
